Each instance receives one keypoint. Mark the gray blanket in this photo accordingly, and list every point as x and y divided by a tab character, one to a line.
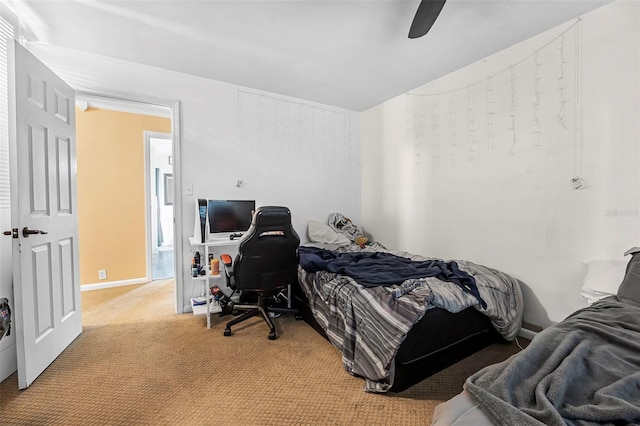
368	325
584	370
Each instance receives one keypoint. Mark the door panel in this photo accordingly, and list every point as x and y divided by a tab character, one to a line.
43	175
41	260
69	305
63	172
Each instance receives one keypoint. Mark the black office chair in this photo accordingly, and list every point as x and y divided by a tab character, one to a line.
267	263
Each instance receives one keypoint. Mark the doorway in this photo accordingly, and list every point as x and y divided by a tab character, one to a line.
160	200
151	229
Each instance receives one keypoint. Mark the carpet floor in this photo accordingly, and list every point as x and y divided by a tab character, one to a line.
138	362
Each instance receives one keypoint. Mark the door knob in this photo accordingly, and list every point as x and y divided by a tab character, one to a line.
26	232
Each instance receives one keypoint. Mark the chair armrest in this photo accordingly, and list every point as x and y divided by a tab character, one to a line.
226	260
228	264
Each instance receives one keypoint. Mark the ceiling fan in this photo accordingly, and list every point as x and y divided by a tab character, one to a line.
426	15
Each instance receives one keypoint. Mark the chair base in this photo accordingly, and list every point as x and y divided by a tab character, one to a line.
253	310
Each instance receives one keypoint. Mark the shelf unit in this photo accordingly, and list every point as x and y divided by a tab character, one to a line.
216	247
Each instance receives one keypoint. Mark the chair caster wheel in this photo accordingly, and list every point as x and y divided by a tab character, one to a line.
227	332
272	336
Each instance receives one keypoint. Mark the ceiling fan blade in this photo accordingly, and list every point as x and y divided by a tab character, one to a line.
426	15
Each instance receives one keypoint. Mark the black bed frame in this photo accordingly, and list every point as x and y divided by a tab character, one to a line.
437	341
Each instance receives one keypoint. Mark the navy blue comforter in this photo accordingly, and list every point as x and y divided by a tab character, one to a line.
385	269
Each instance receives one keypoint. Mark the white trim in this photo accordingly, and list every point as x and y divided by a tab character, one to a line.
111	284
178	243
9	364
527	334
124	105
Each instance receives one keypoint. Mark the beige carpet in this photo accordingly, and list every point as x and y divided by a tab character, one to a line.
137	362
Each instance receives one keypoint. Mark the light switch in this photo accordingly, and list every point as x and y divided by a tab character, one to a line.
188	189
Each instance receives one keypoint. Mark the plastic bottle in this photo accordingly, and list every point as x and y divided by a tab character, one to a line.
194	267
215	266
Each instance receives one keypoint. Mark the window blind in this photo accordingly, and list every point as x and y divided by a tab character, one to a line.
6	37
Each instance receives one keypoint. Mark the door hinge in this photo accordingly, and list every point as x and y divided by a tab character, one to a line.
13	233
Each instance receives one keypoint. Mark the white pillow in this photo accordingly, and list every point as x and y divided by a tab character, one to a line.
321	233
593	296
603	278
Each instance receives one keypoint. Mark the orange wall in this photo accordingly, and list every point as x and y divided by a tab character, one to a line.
111	197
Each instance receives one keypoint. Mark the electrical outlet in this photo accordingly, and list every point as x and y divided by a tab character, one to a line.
102	274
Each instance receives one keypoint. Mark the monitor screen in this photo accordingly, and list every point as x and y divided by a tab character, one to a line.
230	215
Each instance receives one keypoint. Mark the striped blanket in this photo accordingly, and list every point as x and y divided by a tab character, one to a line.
368	325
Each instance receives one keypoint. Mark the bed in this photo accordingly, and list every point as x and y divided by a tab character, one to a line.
396	335
583	370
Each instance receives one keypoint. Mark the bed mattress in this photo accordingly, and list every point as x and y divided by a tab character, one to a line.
437	341
370	323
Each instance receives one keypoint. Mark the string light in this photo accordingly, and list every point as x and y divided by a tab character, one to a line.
300	129
407	115
436	131
490	113
307	131
452	122
504	70
286	127
514	139
472	130
536	106
349	153
333	135
261	135
578	109
274	133
562	83
240	135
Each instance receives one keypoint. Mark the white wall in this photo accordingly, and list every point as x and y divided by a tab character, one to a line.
215	156
435	182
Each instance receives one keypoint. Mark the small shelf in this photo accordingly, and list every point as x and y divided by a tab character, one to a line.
214	307
207	304
199	278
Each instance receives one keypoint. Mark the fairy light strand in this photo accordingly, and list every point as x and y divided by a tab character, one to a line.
287	127
274	134
537	133
490	113
502	71
513	113
562	84
408	122
349	152
472	129
452	122
436	132
578	105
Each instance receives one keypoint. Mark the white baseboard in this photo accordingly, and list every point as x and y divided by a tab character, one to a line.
8	361
111	284
527	334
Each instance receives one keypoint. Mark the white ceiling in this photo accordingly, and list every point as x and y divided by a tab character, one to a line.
347	53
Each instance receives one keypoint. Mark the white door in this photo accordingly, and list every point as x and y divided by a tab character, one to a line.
44	198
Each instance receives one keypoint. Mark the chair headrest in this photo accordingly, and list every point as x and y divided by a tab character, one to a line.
271	216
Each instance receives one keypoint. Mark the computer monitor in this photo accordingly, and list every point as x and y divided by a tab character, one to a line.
229	216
